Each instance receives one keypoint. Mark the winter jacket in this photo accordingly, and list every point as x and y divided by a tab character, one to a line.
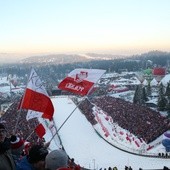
24	164
6	159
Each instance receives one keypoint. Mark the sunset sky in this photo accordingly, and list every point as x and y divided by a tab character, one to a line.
80	26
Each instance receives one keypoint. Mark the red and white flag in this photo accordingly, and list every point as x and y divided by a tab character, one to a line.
40	130
81	81
36	97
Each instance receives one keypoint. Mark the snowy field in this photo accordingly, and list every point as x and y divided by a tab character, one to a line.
82	143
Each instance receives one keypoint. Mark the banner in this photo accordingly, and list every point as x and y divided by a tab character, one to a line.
81	81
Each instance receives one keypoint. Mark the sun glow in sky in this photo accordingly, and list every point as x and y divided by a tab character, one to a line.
79	26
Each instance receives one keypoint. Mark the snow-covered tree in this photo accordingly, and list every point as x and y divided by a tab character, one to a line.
144	95
148	89
167	94
138	96
162	101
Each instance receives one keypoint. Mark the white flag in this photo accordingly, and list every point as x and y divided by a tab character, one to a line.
33	114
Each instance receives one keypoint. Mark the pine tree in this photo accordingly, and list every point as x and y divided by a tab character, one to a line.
162	101
138	96
148	89
167	93
144	95
135	98
168	108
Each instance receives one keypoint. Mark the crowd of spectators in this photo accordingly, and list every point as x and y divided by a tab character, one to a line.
24	128
141	121
86	108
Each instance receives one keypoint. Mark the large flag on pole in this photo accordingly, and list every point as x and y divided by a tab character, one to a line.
36	98
81	81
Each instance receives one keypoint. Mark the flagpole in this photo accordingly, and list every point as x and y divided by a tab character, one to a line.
56	132
21	107
71	113
29	135
75	109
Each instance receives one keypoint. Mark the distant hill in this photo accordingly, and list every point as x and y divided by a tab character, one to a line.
65	58
156	57
159	58
54	59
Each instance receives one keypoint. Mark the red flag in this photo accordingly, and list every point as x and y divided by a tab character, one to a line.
40	130
36	97
80	81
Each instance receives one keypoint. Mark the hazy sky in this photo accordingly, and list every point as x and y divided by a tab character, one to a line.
79	26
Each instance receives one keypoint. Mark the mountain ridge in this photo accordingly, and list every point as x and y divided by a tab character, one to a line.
70	58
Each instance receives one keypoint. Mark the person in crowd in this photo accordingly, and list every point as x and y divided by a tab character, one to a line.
165	168
6	159
27	146
17	147
35	160
71	163
126	168
56	159
130	168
